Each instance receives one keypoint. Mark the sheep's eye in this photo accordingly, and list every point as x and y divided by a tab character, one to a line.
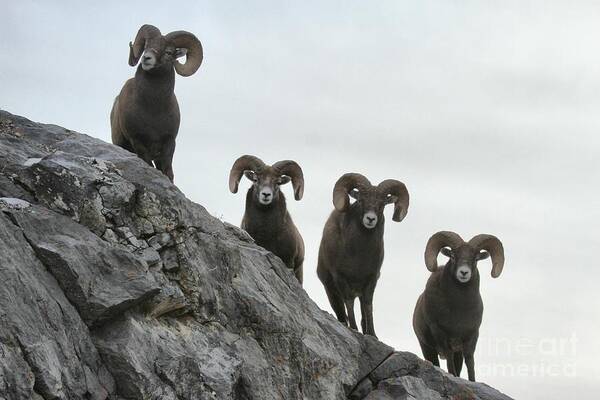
447	252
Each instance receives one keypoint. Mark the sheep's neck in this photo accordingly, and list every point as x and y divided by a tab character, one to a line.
353	222
271	217
155	89
449	283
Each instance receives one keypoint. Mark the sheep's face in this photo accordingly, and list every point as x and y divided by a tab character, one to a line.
266	184
160	54
463	262
371	203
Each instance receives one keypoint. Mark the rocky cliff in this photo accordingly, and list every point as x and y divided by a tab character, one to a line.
113	285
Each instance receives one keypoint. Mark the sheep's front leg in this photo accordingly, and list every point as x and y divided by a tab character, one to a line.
363	317
367	323
165	162
336	304
142	152
469	350
470	361
366	306
430	354
442	346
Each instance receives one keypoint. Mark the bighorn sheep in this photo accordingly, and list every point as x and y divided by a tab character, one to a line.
351	251
448	314
145	115
266	218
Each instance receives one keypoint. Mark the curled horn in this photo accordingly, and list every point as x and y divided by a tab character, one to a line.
344	185
187	40
492	245
398	190
244	163
436	243
293	170
139	44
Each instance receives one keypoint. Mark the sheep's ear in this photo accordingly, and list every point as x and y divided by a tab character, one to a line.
250	175
390	198
180	52
354	194
133	60
283	180
482	255
446	251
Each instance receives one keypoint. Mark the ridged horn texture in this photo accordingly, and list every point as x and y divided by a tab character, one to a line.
139	44
187	40
344	185
397	189
244	163
492	245
293	170
437	242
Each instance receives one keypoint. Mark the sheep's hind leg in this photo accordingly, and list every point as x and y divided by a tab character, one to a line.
450	363
350	311
470	361
458	362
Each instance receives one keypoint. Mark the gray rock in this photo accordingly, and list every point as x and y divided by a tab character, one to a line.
16	377
29	162
403	375
361	390
407	388
116	286
45	346
102	281
11	202
8	188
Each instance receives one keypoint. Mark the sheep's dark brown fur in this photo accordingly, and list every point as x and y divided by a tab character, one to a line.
448	314
271	225
273	229
145	115
352	250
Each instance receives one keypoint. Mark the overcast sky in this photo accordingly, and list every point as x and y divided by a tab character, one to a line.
487	111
